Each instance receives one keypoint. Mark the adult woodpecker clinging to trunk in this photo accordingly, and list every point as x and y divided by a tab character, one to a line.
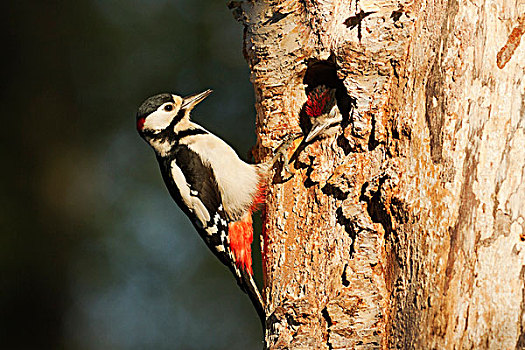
210	183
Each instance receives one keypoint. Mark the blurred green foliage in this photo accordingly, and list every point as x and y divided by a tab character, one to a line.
94	253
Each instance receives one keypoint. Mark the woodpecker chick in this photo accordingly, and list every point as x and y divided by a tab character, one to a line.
325	117
210	183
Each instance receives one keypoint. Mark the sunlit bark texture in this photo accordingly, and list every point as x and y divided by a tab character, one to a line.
406	230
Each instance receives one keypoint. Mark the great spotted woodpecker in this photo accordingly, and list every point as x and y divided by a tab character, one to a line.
210	183
325	117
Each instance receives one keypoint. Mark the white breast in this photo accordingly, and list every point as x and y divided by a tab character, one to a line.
237	180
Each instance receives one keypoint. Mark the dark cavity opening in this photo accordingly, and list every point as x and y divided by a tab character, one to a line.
325	73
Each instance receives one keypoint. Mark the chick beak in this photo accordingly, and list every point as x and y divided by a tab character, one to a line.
324	122
316	130
189	102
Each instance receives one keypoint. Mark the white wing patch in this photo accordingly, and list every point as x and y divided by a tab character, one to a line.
192	202
212	230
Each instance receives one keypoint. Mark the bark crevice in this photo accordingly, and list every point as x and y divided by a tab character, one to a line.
392	229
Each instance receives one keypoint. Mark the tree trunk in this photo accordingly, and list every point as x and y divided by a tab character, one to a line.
406	231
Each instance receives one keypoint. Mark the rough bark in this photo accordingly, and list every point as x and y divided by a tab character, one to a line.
405	231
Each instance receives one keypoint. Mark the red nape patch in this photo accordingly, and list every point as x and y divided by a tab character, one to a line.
241	237
140	123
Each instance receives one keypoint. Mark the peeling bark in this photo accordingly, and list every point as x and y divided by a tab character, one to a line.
407	230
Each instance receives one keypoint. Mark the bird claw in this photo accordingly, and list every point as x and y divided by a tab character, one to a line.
281	153
286	168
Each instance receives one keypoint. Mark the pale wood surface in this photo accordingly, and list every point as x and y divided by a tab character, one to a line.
407	231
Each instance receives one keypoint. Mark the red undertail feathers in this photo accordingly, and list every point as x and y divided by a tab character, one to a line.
241	237
260	197
241	232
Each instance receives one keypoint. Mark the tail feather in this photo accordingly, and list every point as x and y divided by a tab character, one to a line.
247	283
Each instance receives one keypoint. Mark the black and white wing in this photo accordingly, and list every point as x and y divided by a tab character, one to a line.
191	184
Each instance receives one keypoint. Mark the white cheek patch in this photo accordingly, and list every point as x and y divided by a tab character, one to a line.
193	203
159	120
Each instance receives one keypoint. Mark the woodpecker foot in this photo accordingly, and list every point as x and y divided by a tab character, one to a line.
282	153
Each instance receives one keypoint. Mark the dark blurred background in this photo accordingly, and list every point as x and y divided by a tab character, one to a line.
94	253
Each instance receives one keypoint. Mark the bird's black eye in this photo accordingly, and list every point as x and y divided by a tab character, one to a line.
168	108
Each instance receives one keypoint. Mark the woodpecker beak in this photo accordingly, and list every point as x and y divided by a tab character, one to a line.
191	101
316	130
323	123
